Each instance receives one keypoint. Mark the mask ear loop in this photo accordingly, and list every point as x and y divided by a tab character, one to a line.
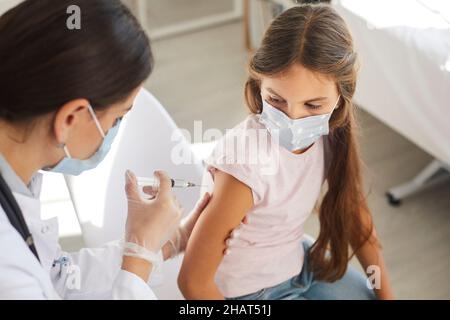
66	150
97	123
335	106
99	127
337	103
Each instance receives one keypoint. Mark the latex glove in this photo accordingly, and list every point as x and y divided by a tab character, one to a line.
151	223
182	235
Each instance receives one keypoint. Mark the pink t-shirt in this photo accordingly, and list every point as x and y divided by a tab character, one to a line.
285	189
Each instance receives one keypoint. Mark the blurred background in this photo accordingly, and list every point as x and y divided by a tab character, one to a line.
202	48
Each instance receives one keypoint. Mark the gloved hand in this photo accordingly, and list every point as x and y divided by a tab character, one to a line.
150	223
180	239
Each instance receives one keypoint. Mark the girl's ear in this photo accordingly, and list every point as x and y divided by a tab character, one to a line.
67	117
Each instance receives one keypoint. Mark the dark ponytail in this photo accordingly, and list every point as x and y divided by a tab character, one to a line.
44	65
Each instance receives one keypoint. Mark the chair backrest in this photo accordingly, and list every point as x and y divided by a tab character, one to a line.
143	145
5	5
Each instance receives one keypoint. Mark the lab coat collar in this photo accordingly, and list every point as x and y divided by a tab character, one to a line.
30	203
16	184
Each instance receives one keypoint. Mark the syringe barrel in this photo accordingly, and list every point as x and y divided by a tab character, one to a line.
154	182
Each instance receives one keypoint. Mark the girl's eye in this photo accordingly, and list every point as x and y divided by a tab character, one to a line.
118	120
312	106
275	100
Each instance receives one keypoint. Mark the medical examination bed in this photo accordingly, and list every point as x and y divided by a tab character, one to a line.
404	48
404	80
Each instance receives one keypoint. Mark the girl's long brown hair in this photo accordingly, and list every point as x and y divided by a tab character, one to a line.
316	37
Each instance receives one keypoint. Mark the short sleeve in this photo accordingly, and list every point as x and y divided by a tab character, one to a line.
238	165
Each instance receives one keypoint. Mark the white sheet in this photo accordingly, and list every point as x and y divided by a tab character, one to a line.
404	48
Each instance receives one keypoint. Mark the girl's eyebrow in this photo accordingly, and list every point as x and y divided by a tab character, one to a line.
310	100
273	91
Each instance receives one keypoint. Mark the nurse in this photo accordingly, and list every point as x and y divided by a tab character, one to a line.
63	94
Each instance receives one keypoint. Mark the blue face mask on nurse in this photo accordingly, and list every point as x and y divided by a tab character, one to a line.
75	167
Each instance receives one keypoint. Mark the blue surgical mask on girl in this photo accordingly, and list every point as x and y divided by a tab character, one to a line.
75	167
295	134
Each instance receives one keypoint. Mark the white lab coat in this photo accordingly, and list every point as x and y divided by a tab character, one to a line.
88	274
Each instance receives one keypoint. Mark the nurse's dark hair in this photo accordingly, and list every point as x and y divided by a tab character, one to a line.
44	64
316	37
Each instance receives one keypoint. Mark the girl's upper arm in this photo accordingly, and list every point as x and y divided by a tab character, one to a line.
231	200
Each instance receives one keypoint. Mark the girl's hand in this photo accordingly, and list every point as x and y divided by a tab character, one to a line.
233	236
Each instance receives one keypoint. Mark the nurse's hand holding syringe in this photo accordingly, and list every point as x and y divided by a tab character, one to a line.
178	243
154	225
150	187
158	218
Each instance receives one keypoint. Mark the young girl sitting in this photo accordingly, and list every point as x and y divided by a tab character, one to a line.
300	90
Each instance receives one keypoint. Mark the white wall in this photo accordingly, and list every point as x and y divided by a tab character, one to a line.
5	5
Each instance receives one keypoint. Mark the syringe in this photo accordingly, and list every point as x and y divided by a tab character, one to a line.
154	182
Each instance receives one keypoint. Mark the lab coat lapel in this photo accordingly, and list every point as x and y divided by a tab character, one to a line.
44	232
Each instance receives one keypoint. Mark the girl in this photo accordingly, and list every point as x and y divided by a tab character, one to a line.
300	91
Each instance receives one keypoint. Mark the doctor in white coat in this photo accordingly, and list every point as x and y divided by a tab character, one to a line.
63	94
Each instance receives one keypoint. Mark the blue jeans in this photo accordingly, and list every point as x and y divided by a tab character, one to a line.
304	287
